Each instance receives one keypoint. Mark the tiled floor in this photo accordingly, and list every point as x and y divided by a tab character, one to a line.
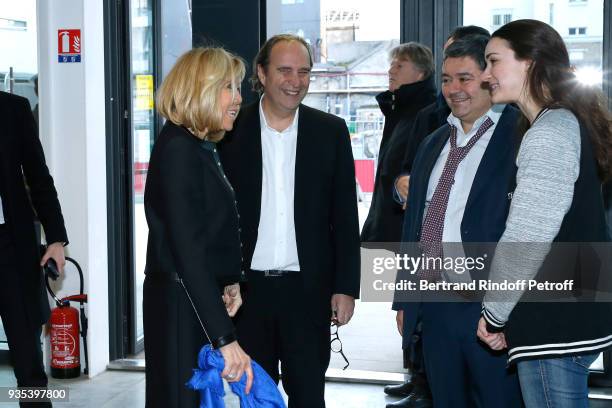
120	389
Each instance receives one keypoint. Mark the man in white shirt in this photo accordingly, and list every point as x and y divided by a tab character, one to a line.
460	185
292	169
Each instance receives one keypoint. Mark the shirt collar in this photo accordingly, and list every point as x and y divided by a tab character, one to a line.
494	113
264	122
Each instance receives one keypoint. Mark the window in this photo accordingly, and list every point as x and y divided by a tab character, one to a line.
8	24
580	27
577	30
551	14
351	41
500	17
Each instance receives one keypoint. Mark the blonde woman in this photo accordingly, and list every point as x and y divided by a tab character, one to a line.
193	254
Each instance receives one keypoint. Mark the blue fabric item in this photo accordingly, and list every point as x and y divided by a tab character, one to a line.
207	379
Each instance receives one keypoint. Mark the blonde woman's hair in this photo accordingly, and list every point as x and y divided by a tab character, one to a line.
190	94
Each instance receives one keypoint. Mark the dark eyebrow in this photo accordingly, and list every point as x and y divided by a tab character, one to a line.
489	54
464	74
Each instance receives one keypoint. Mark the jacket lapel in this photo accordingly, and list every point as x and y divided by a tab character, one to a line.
301	159
437	144
253	156
497	150
244	157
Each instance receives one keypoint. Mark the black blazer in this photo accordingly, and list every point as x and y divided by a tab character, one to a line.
325	202
193	225
21	154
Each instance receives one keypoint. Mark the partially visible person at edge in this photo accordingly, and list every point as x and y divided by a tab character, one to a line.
24	306
415	392
563	159
193	253
411	87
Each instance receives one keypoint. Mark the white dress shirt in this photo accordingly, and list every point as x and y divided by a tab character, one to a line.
464	177
276	246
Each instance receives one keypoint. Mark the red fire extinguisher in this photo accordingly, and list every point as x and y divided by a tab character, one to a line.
64	322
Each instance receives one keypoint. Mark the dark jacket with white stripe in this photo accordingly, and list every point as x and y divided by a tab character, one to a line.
558	329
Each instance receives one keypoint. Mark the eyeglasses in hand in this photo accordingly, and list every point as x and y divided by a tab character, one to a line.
336	344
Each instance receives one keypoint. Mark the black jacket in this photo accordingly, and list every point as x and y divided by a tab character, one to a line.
427	120
384	221
193	225
325	202
21	154
551	329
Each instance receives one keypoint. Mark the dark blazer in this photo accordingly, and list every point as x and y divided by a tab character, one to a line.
325	202
384	221
193	225
486	210
21	154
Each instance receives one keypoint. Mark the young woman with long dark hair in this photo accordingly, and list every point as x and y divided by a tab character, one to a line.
563	159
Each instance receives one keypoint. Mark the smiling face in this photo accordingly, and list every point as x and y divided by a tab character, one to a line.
403	72
505	74
286	78
230	103
463	89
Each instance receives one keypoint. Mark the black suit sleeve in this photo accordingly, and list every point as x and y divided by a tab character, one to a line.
344	218
42	190
182	192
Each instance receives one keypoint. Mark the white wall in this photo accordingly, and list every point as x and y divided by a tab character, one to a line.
72	122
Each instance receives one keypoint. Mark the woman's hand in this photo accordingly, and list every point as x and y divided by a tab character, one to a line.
232	299
237	363
497	341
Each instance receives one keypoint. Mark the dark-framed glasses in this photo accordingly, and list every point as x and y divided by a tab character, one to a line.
336	344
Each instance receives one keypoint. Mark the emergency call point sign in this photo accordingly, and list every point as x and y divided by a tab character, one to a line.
69	45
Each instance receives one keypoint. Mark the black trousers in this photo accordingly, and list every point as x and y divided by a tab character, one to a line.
173	339
22	336
275	326
415	361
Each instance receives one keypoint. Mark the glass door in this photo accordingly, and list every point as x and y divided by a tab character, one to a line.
142	71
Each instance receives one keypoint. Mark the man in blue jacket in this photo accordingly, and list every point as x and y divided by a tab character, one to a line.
460	185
